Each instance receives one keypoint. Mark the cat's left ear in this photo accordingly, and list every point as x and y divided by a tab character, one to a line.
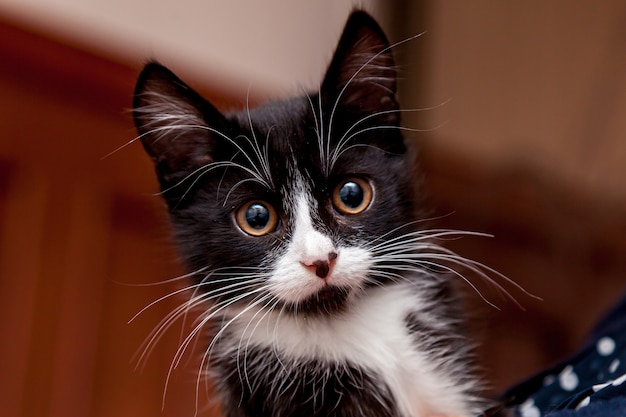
361	78
175	124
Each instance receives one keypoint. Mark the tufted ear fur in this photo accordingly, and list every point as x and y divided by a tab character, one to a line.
361	78
177	127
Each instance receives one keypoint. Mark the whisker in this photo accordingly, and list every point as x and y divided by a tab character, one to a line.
345	138
186	289
416	248
411	224
480	268
160	330
166	281
361	68
318	129
255	143
119	148
205	169
473	265
182	127
181	311
275	338
266	311
236	283
340	148
234	187
450	270
223	328
422	235
207	317
265	160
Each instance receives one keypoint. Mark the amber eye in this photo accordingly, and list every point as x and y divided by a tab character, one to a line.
352	196
257	218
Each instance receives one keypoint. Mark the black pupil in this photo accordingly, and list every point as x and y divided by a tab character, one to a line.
351	194
257	216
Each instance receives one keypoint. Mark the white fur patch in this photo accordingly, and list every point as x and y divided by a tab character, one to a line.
293	281
371	334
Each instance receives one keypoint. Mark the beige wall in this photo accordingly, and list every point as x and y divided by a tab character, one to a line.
534	83
275	46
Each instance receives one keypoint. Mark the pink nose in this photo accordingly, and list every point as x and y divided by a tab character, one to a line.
323	267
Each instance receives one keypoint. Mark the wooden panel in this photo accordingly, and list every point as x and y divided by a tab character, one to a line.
20	247
87	244
78	230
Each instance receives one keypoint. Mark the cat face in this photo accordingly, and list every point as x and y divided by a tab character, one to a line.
287	205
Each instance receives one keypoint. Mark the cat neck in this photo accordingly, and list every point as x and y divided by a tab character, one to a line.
373	335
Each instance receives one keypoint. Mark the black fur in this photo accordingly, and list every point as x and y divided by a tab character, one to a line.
197	200
305	389
209	164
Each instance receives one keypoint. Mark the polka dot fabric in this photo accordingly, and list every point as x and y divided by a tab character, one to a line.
591	383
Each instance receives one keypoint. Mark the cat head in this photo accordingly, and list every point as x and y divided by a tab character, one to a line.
286	204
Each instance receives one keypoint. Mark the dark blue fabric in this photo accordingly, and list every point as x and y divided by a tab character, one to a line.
615	407
592	383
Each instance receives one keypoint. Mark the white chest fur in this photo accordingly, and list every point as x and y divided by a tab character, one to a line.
373	335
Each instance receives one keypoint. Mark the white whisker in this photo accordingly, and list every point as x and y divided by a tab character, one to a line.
207	355
252	170
255	144
341	147
319	130
416	249
382	113
181	311
266	311
166	281
356	73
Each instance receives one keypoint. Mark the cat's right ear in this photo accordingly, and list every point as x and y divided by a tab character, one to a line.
175	124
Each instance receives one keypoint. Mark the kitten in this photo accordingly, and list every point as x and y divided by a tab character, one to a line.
299	222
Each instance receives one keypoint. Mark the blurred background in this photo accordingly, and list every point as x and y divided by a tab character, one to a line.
525	140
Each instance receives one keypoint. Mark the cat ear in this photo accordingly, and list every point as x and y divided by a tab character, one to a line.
173	123
361	77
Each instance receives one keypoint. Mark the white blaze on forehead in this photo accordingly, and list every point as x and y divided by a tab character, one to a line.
308	244
292	281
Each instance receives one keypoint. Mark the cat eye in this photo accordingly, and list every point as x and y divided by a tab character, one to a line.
257	218
352	196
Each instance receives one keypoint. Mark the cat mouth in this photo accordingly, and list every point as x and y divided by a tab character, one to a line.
328	300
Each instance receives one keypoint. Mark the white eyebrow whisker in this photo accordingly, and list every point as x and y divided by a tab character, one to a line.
356	73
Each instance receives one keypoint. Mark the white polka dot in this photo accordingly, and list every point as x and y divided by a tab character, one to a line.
619	381
584	403
568	380
614	365
599	387
529	409
606	346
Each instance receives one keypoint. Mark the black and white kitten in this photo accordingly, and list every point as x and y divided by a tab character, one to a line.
299	223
